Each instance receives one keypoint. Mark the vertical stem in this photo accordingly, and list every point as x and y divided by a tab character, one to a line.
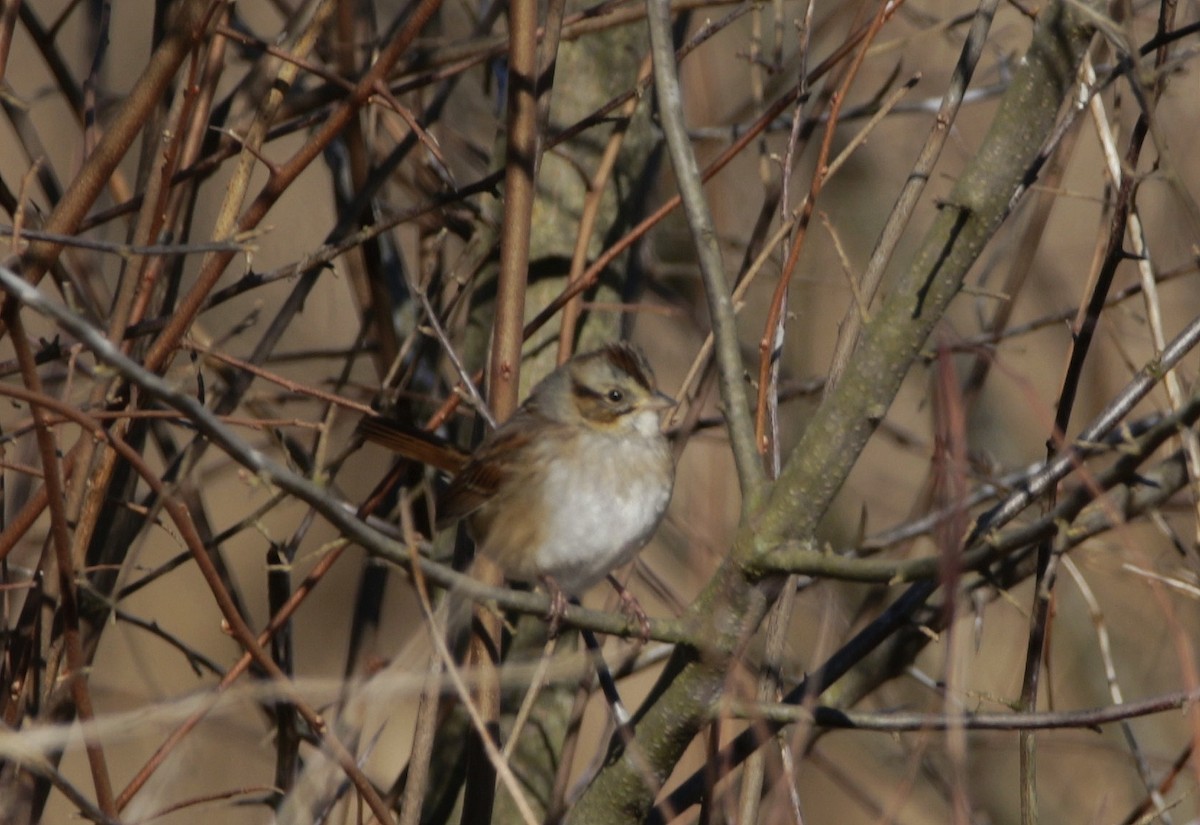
1084	332
504	373
704	235
505	364
61	540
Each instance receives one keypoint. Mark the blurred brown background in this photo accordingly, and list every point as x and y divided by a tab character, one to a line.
1143	576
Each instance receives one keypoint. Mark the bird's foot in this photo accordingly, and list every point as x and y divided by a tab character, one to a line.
558	605
632	608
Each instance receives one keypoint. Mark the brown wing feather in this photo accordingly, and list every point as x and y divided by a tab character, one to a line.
413	444
483	475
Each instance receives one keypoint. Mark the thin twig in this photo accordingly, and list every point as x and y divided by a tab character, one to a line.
716	288
1114	686
480	724
771	341
68	596
899	721
129	250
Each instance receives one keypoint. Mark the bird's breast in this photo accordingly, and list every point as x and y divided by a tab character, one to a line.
598	518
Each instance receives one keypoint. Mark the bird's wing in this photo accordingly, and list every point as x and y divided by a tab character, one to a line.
490	465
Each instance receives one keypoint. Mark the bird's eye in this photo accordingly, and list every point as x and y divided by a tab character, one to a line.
615	396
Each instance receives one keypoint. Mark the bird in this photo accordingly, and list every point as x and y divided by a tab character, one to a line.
571	486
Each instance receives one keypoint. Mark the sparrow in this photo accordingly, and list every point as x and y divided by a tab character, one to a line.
570	487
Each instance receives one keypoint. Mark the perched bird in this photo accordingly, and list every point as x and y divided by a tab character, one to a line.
570	487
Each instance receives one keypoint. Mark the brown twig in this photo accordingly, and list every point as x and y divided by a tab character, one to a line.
772	337
75	677
587	219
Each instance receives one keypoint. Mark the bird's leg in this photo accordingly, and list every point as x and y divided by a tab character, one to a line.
558	604
632	608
